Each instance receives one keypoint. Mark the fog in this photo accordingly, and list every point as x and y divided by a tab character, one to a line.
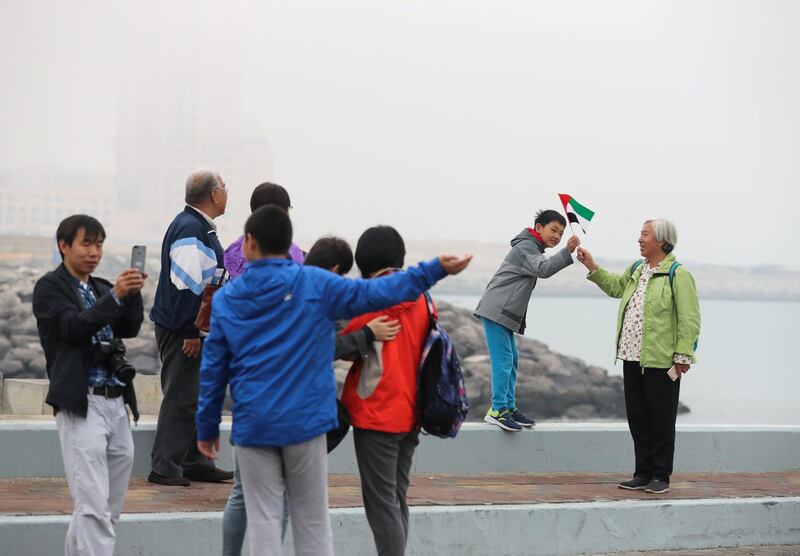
451	120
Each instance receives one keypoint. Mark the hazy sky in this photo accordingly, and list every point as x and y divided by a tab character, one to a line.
453	119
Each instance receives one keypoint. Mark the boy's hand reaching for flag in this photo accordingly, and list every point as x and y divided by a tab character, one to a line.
572	243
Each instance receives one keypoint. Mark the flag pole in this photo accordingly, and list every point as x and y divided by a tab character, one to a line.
581	236
571	224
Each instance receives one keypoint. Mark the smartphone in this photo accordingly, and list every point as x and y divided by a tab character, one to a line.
138	255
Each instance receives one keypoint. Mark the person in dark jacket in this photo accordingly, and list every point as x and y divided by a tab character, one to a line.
80	317
190	256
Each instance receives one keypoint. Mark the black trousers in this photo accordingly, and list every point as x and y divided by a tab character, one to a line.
175	445
384	463
651	403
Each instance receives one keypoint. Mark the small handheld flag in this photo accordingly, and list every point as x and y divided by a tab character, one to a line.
576	212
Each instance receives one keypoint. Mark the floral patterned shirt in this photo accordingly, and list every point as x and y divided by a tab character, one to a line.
630	338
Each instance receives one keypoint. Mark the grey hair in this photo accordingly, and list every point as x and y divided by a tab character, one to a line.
199	185
666	232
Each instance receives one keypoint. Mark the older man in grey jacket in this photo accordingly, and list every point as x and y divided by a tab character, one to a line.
504	305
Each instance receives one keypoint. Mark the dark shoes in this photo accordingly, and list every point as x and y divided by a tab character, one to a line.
637	483
657	487
651	486
199	475
522	419
208	475
502	418
168	481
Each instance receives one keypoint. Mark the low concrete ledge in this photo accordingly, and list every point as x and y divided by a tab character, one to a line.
26	396
591	448
524	530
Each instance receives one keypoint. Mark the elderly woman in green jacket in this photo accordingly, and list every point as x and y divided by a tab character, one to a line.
658	325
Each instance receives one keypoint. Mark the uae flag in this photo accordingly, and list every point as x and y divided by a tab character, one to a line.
576	212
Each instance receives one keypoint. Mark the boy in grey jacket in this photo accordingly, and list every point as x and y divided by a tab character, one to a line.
504	304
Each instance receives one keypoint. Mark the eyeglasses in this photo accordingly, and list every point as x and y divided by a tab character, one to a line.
225	189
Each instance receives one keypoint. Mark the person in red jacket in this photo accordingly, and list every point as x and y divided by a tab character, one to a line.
380	394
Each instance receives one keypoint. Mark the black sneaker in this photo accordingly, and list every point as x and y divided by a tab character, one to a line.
502	419
657	486
208	475
637	483
159	479
522	419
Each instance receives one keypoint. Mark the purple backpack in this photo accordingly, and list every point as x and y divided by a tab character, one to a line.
441	396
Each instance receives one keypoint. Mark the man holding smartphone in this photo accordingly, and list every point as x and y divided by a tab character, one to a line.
81	320
190	255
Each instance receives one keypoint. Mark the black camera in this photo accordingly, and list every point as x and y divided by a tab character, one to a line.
111	355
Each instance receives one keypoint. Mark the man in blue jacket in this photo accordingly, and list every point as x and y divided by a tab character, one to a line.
190	255
272	340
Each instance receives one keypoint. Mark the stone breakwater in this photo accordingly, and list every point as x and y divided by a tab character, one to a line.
21	354
550	385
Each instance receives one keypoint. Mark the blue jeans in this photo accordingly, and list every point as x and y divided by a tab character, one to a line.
504	358
234	519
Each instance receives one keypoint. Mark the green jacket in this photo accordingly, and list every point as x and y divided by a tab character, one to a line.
671	314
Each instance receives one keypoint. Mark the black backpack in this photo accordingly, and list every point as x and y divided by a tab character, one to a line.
441	396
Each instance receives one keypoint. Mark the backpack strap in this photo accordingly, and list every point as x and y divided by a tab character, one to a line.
672	270
431	311
636	265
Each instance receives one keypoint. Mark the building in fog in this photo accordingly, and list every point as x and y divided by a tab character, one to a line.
34	199
180	108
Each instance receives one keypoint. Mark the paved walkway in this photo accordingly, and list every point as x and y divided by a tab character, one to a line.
793	550
51	496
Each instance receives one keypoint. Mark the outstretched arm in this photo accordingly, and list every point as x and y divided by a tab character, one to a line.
345	298
611	283
540	266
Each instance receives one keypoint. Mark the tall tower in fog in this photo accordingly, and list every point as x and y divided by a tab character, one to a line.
180	107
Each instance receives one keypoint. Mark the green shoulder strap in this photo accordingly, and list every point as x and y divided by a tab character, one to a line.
672	270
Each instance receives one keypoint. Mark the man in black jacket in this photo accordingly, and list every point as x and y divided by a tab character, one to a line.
79	318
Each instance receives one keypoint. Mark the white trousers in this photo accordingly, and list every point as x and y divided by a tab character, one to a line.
302	470
98	459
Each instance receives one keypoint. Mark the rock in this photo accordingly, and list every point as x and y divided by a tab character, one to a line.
12	368
24	354
37	368
24	311
20	324
597	374
24	289
580	411
5	346
25	341
9	301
